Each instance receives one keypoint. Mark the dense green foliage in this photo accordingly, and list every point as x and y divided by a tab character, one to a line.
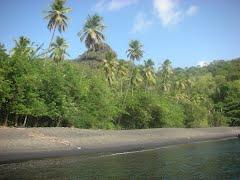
42	89
40	92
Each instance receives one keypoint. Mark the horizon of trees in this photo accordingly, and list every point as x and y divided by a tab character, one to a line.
40	88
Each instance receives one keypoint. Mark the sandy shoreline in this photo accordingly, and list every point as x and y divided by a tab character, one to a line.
18	144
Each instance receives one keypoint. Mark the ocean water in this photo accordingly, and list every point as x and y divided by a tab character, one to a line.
205	160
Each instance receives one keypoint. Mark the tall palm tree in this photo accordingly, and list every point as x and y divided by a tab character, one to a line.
149	63
182	87
58	49
167	73
23	46
148	73
92	32
22	42
136	78
57	17
135	53
110	67
135	50
122	72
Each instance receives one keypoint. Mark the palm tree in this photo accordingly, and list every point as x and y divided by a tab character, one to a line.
167	73
58	49
136	78
135	53
57	17
23	42
110	66
149	63
92	32
23	46
122	72
135	50
182	87
148	73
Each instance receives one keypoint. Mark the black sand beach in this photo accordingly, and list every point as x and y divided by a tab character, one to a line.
19	144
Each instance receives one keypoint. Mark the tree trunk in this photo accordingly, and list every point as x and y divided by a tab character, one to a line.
52	38
25	121
6	120
121	86
59	122
16	121
146	87
48	50
45	53
130	83
36	123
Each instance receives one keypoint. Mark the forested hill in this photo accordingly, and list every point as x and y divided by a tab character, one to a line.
223	79
118	94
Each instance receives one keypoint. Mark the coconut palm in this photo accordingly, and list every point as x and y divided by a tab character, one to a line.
136	78
92	32
57	17
110	67
135	53
23	42
23	46
135	50
58	49
148	74
167	73
149	63
122	72
182	88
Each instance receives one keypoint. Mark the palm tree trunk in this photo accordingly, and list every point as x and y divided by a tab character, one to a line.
16	121
54	29
25	121
6	120
129	85
59	122
36	122
146	87
121	82
49	46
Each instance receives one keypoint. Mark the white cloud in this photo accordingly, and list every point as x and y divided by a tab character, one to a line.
170	12
118	4
141	23
192	10
202	63
113	5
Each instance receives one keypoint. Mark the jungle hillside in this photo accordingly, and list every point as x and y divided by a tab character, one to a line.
43	87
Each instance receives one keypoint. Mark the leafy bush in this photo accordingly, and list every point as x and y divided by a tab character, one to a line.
144	110
195	115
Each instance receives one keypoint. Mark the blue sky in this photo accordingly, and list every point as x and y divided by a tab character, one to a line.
187	32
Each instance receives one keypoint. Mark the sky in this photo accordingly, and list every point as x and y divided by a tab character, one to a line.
188	32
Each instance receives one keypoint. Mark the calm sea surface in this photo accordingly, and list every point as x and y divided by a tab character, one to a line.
207	160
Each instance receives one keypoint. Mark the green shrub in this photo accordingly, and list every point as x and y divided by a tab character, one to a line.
150	111
195	115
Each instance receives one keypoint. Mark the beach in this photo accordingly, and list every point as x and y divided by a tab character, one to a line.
19	144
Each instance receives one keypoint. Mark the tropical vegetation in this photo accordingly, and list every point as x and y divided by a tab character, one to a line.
41	87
